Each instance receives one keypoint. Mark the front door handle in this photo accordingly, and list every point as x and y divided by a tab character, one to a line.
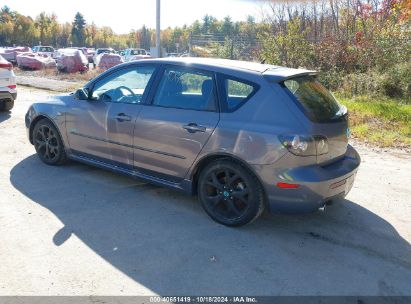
193	128
123	117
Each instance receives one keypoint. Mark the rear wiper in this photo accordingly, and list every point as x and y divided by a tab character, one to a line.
341	112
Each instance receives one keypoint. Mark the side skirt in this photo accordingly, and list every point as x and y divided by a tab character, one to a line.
183	186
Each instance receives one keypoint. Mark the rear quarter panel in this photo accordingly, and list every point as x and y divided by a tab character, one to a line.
251	132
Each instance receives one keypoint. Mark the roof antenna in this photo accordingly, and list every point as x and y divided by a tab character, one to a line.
263	61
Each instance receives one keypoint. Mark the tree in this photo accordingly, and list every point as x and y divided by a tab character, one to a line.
145	38
6	14
78	31
227	27
43	22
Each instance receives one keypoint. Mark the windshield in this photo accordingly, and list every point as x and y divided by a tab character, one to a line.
317	101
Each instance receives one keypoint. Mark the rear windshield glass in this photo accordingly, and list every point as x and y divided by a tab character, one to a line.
319	104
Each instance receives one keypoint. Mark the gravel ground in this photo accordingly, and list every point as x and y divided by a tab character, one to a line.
78	230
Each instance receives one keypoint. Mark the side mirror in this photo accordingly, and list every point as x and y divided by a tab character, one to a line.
82	94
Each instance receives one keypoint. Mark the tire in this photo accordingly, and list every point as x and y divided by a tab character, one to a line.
230	194
48	143
6	105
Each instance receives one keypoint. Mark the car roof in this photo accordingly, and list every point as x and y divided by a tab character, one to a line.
272	72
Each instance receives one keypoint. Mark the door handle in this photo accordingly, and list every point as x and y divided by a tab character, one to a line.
193	128
123	117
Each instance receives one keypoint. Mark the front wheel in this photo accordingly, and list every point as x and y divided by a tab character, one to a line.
230	193
48	143
6	105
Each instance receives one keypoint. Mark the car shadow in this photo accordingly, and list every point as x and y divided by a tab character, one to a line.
163	240
4	116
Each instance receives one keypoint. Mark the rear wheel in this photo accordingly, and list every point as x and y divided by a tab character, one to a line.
48	143
230	193
6	105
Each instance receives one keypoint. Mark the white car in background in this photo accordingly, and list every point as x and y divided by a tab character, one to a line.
44	50
135	54
8	92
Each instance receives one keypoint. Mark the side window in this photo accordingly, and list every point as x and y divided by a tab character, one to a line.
185	88
236	92
125	86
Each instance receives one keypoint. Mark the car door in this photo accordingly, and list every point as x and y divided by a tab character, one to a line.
103	127
173	128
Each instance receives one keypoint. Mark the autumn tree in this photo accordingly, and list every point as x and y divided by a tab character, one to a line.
78	30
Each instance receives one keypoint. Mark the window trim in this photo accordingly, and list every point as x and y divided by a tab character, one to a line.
221	77
159	77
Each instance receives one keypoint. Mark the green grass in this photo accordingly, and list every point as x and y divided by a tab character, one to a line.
380	120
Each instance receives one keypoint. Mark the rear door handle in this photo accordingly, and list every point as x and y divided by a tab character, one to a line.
193	128
123	117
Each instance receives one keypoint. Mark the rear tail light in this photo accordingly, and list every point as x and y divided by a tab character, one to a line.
13	86
7	66
287	185
305	145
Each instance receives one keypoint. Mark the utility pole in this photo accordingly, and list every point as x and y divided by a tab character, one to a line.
158	29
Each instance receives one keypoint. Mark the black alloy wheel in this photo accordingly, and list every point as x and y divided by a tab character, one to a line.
48	144
230	194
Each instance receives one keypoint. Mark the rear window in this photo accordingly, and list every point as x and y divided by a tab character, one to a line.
318	103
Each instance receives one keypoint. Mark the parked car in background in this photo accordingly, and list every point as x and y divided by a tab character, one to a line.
129	54
90	54
71	60
242	136
101	51
44	50
10	53
105	60
8	87
35	61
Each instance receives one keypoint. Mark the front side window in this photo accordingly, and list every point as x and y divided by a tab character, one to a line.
125	86
185	88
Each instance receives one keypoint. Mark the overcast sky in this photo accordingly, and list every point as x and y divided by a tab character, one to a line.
124	15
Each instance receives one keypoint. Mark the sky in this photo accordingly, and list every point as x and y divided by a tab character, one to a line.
125	15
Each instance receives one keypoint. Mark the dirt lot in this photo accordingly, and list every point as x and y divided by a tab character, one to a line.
78	230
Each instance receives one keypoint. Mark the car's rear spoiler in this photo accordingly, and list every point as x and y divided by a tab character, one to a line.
280	74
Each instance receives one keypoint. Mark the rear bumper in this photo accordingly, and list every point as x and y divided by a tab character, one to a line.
317	184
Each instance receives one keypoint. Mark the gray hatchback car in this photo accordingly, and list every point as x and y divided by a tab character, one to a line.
242	136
